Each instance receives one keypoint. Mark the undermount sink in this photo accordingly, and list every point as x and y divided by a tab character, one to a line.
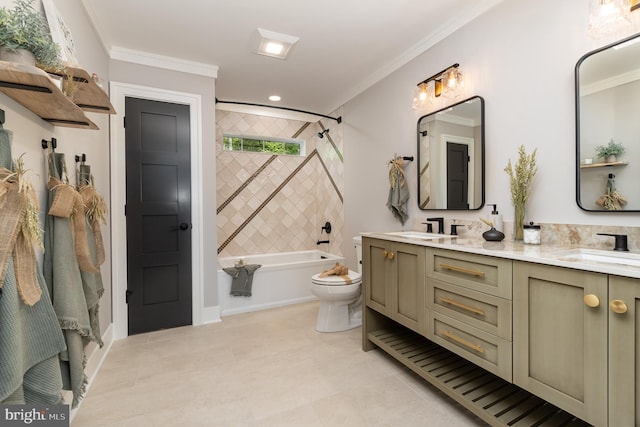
416	235
605	257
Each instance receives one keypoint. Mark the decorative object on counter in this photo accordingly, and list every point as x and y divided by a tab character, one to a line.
531	234
23	27
611	199
492	235
496	217
521	178
610	152
398	190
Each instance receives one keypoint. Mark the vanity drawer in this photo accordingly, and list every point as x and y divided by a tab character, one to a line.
485	312
485	350
478	272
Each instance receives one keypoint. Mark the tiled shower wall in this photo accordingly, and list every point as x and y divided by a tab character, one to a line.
267	203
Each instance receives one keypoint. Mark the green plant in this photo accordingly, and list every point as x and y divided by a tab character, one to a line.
23	27
611	149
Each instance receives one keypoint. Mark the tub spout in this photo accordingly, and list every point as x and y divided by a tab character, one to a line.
319	242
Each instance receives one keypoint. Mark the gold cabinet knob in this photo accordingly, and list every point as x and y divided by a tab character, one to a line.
391	255
591	300
618	306
384	254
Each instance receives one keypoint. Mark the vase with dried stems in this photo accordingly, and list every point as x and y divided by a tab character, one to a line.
521	177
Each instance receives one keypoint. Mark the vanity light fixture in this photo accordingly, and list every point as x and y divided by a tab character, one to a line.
275	45
607	17
444	82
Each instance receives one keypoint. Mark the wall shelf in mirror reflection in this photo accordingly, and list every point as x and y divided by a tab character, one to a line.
451	157
607	100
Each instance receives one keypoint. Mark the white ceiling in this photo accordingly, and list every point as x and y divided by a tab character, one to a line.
345	45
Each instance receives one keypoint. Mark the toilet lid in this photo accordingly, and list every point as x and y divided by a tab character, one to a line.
354	276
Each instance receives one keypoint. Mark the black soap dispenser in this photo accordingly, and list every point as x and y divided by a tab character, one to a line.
496	218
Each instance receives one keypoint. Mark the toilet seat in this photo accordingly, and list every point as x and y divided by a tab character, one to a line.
354	276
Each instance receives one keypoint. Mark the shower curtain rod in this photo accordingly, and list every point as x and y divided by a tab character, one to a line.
338	119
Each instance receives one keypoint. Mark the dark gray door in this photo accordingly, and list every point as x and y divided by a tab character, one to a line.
457	176
158	215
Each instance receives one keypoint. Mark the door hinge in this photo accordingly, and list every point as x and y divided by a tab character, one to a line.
468	158
125	210
127	294
124	122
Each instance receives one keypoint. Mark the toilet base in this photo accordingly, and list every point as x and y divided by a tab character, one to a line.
335	317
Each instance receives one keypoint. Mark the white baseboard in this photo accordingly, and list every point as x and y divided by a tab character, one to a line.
211	314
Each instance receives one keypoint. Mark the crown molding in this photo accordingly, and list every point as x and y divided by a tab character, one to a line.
166	62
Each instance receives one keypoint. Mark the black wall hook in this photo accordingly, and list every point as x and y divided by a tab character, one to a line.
54	144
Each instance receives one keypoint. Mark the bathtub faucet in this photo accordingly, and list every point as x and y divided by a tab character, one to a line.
319	242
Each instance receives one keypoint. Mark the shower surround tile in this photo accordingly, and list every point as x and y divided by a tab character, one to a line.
272	204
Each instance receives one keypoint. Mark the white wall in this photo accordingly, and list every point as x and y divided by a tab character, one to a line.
29	129
520	57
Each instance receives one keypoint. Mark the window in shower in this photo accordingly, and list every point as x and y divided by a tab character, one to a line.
256	144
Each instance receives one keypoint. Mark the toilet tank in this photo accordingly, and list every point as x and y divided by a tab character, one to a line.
358	244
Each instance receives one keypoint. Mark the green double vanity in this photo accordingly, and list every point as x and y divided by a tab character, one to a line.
518	334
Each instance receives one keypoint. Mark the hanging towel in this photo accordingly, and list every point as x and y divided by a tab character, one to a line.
30	338
398	191
242	279
69	294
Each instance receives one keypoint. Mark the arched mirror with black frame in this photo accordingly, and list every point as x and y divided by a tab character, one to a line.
608	128
451	157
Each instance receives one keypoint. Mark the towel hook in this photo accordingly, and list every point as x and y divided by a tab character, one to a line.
54	144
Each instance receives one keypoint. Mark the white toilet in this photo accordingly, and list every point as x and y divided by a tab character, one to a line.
340	302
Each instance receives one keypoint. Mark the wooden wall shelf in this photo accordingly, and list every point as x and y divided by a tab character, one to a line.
601	165
35	90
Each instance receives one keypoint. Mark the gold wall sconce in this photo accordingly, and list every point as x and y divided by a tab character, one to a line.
445	82
608	17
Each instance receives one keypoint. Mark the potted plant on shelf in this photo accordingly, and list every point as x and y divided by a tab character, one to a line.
23	28
610	152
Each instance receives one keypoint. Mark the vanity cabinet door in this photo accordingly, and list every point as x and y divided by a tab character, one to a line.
407	286
394	281
559	341
624	351
377	274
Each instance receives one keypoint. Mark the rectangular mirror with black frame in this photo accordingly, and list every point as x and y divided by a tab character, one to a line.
451	157
608	128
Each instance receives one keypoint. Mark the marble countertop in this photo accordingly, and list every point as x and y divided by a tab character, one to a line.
548	254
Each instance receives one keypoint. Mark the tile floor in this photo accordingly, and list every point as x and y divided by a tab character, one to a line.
267	368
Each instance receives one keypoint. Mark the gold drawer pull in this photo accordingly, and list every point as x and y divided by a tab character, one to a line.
618	306
391	255
462	305
462	270
462	341
591	300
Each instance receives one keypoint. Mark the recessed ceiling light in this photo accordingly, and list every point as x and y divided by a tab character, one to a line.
274	44
274	98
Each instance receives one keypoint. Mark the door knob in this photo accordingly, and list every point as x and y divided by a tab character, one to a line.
618	306
591	300
184	226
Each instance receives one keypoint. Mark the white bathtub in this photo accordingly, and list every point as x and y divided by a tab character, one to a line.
284	278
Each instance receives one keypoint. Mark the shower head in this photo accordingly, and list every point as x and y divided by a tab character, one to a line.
321	134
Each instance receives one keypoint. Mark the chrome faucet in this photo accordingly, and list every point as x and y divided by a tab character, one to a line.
620	243
440	221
